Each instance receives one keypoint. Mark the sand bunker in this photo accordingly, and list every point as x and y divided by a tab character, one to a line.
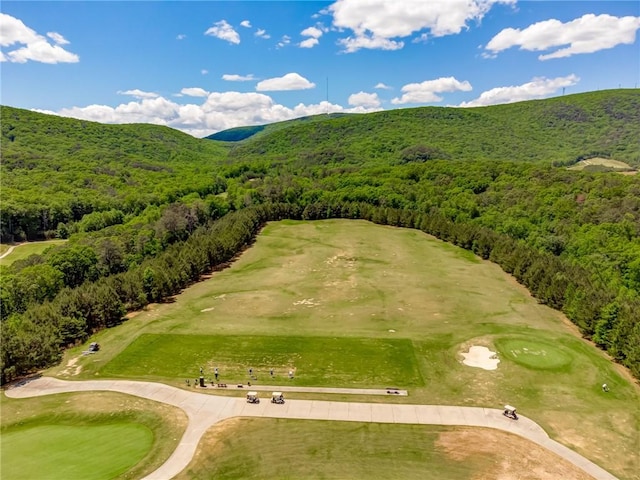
481	357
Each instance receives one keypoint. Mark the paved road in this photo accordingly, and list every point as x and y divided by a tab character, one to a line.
205	410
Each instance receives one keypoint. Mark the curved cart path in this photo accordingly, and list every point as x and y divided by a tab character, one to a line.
205	410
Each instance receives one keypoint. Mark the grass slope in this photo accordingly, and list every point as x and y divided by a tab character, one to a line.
312	449
303	283
562	129
25	250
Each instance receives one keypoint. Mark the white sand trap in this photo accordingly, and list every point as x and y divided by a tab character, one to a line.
481	357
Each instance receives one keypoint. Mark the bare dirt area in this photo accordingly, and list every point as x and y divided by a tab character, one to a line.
72	368
513	457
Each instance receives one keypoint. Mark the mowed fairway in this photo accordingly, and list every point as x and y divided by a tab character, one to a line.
349	303
351	450
25	250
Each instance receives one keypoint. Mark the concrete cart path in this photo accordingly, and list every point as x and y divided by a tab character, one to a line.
205	410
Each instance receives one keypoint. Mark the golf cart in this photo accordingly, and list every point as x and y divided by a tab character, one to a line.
252	397
510	412
277	397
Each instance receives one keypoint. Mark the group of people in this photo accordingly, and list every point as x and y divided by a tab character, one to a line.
216	373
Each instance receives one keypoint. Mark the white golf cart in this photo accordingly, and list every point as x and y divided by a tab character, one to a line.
277	397
510	412
252	397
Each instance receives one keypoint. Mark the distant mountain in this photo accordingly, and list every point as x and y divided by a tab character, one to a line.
242	133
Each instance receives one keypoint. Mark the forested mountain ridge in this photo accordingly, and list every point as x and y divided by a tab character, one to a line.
56	169
572	238
560	130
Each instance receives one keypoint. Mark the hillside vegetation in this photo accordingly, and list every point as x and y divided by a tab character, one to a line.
479	178
56	170
560	130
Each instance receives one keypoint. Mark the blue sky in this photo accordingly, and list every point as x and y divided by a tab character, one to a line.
206	66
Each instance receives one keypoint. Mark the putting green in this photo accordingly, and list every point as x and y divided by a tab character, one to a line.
534	354
73	452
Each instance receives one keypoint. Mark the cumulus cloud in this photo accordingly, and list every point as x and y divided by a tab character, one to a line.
237	78
245	24
138	93
36	47
427	91
382	86
375	23
286	40
194	92
290	81
261	33
224	31
218	111
536	88
363	99
587	34
309	43
59	39
314	34
181	36
204	72
311	32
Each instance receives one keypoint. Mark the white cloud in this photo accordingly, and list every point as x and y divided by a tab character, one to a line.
204	72
314	34
219	111
245	24
353	44
286	40
138	93
181	36
375	22
587	34
59	39
223	31
363	99
194	92
237	78
290	81
309	43
426	92
37	48
536	88
261	33
382	86
311	32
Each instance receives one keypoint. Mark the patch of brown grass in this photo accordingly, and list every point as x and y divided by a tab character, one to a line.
512	457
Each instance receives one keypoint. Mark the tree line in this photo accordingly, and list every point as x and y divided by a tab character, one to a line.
36	337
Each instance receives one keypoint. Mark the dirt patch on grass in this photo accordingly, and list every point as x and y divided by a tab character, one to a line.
513	457
72	368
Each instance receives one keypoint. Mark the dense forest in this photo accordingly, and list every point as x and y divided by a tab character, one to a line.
148	210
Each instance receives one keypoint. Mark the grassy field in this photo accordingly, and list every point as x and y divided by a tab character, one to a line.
24	250
348	303
86	436
291	449
603	162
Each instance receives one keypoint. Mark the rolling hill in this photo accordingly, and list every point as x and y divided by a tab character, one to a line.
561	130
